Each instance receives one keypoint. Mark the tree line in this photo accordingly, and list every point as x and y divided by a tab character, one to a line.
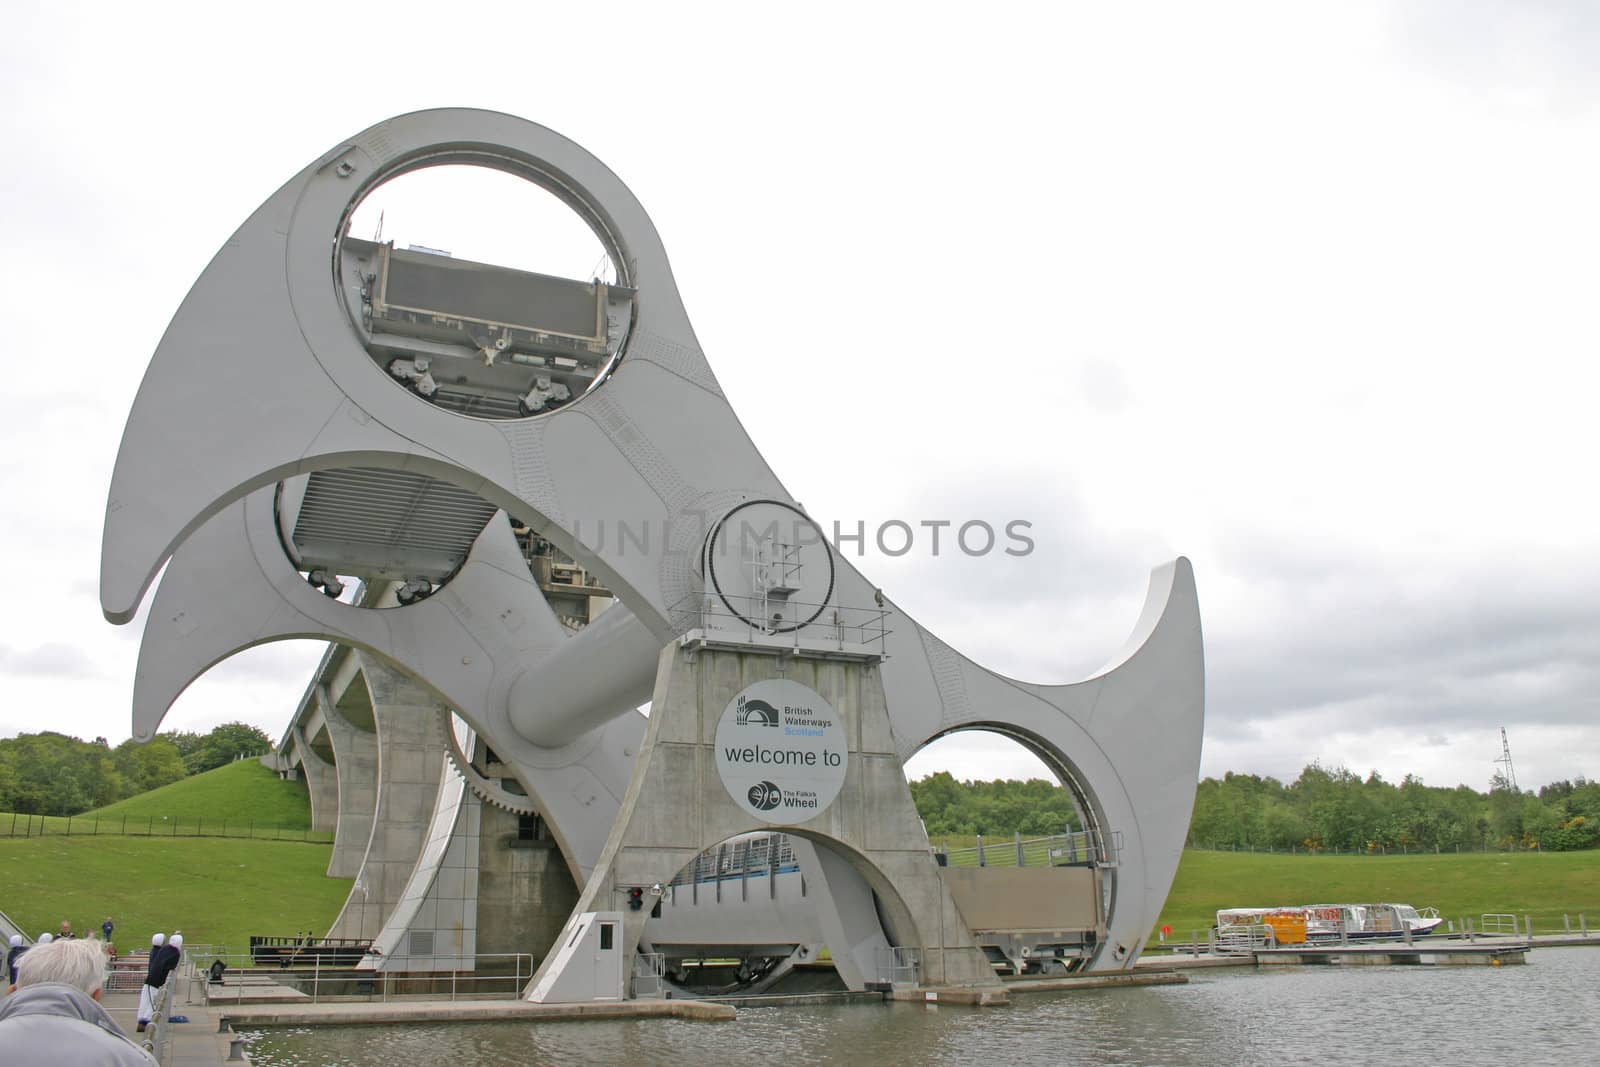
49	773
1034	808
1322	809
1334	809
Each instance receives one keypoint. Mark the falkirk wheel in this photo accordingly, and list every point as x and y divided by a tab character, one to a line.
458	437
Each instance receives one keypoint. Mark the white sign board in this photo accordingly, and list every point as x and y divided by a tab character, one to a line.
781	752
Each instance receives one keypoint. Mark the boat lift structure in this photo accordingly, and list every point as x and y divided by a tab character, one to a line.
422	443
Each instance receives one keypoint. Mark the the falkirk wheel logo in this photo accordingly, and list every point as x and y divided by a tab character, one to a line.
764	796
756	713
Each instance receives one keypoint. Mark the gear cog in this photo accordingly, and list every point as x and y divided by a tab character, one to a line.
485	789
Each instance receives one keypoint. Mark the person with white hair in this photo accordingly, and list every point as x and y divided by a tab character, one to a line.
147	992
54	1015
13	954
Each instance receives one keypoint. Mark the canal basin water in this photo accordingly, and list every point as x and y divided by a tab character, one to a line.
1544	1012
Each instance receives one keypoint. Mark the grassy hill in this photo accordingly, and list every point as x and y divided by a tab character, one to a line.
215	890
1543	885
241	792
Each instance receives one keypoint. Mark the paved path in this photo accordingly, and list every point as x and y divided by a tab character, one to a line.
195	1043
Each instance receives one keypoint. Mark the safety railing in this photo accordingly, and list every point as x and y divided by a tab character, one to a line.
792	623
1077	848
288	951
899	966
125	974
1496	924
1242	939
486	976
155	1031
760	854
649	974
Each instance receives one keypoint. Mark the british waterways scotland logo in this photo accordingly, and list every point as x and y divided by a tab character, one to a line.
755	713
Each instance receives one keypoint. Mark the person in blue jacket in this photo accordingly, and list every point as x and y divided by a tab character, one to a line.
13	954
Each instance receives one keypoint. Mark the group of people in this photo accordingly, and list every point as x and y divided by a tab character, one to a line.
53	1013
16	949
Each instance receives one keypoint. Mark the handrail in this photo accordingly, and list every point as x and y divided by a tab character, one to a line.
322	981
751	856
156	1030
1075	848
815	626
899	966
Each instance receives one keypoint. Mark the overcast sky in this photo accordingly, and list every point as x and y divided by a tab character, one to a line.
1307	295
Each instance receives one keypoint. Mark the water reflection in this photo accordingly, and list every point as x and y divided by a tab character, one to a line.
1545	1012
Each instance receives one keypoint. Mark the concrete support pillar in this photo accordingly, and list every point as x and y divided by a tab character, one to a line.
677	806
322	782
434	927
411	753
525	888
355	766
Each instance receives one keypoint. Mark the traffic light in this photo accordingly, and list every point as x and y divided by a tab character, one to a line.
636	898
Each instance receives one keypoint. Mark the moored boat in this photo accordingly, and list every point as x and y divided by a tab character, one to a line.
1301	923
1365	921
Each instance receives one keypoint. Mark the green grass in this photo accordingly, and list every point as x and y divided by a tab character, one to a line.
215	890
241	799
1542	885
240	792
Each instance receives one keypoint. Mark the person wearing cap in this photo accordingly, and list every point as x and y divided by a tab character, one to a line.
54	1015
13	954
147	992
163	962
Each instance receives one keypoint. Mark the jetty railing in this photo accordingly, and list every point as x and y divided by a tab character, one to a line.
899	966
485	976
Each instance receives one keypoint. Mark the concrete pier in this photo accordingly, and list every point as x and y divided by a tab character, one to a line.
1137	977
352	736
410	760
879	874
1431	951
442	1011
1392	953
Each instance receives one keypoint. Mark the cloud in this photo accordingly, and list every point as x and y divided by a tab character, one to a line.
1330	341
1545	45
52	659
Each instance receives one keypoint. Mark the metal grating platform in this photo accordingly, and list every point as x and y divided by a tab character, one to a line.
387	524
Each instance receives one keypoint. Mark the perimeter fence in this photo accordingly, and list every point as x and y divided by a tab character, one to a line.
1364	850
19	824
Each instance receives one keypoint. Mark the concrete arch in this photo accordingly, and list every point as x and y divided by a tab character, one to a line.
782	896
1068	776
